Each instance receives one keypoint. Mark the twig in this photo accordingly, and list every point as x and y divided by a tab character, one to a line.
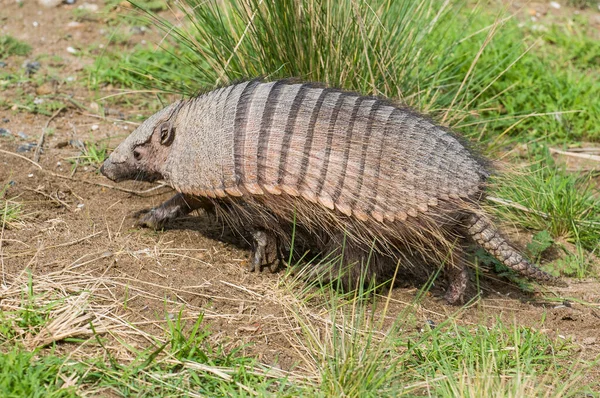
36	164
38	149
53	199
510	203
131	191
590	150
576	155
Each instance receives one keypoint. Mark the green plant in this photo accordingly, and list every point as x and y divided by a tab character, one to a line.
26	374
10	210
11	46
539	243
186	361
92	154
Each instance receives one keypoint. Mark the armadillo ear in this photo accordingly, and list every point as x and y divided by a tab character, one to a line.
167	133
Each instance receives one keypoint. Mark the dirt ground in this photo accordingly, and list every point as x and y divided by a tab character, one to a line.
75	226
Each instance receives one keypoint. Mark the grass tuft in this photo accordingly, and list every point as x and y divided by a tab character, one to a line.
10	210
11	46
25	374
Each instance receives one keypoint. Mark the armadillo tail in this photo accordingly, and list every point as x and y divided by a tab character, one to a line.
487	236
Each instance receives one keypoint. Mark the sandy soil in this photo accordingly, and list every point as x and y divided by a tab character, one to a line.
75	226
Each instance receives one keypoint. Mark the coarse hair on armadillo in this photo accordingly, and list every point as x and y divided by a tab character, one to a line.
345	167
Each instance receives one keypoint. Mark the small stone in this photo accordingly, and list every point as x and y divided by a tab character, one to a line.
75	25
30	175
12	183
70	78
22	135
3	64
31	67
5	120
58	164
69	2
80	205
49	3
138	30
77	144
35	24
5	133
26	147
71	50
554	5
45	89
95	127
89	7
38	101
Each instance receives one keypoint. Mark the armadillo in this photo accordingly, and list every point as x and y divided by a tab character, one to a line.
378	184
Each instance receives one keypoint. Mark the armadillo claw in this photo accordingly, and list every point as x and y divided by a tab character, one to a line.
148	218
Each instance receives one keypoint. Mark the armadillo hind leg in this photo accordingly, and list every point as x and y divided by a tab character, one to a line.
457	275
178	206
266	251
487	236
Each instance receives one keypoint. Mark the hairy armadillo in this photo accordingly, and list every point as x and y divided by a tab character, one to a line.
355	176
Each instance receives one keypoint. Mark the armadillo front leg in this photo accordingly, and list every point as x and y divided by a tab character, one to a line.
266	251
179	205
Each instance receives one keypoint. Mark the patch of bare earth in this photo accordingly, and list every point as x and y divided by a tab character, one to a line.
78	236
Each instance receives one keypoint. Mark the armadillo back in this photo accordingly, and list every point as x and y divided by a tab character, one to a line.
360	155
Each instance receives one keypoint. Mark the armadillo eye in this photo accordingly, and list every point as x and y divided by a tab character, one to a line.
167	134
136	154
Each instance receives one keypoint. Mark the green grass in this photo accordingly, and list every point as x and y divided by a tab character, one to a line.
26	374
462	65
11	46
344	342
10	210
582	3
186	362
565	206
92	154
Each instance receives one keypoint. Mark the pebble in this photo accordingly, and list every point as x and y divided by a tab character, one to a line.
5	120
74	25
38	101
71	50
70	2
31	67
75	143
89	7
22	135
5	133
26	147
554	5
3	64
138	30
35	24
80	205
95	127
49	3
30	175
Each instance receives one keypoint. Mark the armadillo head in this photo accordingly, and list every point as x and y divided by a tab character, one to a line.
142	155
